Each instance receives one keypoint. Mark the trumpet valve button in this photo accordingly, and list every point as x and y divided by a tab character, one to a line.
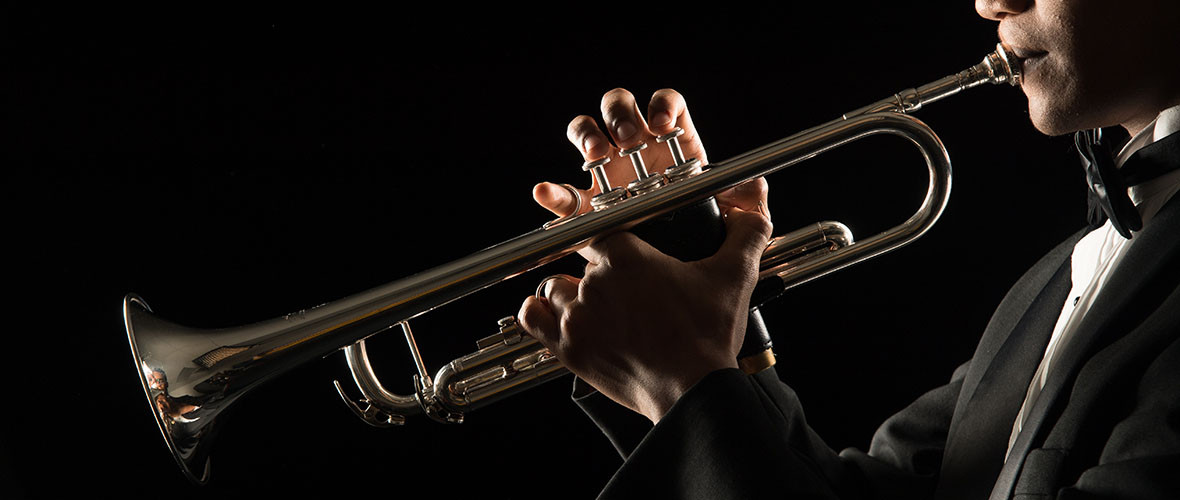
608	198
674	145
640	186
590	165
637	160
598	170
684	170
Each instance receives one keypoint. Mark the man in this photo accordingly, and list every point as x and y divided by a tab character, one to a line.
1072	392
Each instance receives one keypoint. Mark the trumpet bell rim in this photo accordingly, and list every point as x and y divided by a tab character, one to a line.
134	305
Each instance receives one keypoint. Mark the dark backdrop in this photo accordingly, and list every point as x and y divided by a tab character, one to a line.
231	167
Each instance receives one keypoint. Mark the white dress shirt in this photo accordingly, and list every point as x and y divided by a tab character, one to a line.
1098	253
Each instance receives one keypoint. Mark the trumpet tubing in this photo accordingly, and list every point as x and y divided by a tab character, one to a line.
190	376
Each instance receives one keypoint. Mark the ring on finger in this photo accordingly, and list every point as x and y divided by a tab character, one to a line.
542	289
577	207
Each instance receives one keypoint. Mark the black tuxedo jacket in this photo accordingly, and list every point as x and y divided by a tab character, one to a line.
1107	424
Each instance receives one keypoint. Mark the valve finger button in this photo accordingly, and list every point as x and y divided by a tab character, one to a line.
644	181
641	186
610	195
608	198
674	145
683	171
681	168
637	160
598	170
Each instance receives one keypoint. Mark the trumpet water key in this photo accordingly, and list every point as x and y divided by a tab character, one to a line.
190	376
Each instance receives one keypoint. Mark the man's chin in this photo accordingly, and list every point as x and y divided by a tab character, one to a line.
1054	122
1053	129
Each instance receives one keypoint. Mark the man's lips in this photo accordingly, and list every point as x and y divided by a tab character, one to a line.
1028	58
1027	53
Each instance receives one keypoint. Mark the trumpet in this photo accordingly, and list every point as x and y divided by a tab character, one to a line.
190	376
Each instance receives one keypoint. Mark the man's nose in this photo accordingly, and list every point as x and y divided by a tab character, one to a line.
997	9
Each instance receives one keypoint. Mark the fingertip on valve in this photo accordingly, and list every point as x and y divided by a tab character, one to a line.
661	121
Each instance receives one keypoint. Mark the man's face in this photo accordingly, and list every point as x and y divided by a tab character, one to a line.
1092	63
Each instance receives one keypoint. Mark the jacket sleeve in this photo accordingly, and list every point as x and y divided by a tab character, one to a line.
739	436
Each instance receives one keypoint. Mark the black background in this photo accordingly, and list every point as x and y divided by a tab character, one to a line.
231	167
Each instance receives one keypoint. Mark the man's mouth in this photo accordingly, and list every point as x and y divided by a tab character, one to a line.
1028	58
1026	54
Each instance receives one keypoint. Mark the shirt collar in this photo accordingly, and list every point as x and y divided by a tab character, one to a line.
1167	123
1149	197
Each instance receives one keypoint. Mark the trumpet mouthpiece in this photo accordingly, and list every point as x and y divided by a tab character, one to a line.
1003	66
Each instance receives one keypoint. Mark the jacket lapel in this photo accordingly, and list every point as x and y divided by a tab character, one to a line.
979	432
1147	269
1011	312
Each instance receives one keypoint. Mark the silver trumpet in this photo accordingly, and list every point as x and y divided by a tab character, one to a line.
191	375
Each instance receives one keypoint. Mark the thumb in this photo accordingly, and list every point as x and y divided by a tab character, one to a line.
747	234
559	198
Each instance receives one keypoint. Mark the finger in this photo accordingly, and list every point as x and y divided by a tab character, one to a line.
560	291
618	251
668	110
538	320
749	196
560	198
585	135
747	233
540	314
622	119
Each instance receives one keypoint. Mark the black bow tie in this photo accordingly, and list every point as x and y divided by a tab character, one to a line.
1108	185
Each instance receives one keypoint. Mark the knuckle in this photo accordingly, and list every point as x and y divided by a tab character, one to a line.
620	251
757	187
758	226
574	321
532	319
747	195
594	285
763	226
531	322
562	292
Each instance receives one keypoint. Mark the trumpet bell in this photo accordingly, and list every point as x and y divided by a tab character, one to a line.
163	353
